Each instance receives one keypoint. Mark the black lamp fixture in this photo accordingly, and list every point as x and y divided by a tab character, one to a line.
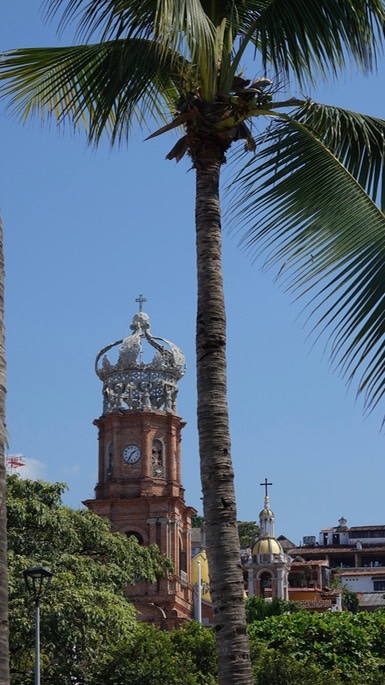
37	580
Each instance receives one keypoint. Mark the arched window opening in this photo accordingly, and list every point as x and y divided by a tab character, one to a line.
265	584
157	459
109	460
133	533
182	558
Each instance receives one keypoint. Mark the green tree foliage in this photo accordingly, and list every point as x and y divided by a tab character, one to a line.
152	657
85	611
349	647
197	521
350	601
247	531
257	608
270	667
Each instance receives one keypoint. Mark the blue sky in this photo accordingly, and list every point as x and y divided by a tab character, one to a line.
85	232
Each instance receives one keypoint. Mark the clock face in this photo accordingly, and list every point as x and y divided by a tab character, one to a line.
131	454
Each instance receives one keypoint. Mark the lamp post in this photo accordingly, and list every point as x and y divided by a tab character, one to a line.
37	580
199	588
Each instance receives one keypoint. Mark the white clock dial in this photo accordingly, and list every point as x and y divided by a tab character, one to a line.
131	454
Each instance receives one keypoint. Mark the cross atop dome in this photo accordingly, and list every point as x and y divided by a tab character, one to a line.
266	516
265	484
266	506
141	301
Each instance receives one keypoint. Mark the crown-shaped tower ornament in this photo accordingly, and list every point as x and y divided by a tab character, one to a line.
133	385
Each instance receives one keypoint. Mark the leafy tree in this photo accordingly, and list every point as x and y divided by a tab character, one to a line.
257	608
348	646
199	643
270	667
85	611
181	657
350	601
152	58
197	521
4	651
247	531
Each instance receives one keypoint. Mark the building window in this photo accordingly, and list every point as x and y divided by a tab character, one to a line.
157	459
380	533
378	585
265	580
109	460
182	559
137	536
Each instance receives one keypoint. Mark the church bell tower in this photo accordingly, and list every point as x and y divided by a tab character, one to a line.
268	566
139	485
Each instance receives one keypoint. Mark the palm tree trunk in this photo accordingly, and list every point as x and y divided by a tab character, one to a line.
223	550
4	653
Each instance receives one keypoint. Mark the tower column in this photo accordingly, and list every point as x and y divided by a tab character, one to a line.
139	487
280	583
147	449
250	575
174	476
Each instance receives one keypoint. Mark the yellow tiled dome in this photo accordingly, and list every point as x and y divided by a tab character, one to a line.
267	546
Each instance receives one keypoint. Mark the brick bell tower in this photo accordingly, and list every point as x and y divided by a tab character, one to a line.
139	484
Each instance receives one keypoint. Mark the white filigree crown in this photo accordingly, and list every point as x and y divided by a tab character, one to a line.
133	385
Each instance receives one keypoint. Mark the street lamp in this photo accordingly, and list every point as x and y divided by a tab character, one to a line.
37	580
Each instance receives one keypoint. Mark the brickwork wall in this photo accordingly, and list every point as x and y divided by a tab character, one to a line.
137	501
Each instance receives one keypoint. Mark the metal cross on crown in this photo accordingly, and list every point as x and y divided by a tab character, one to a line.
140	301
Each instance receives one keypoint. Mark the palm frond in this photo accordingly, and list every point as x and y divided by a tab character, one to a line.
179	27
308	215
178	120
315	37
357	140
183	27
105	19
107	87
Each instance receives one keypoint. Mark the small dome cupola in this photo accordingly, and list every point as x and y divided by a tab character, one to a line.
266	519
130	384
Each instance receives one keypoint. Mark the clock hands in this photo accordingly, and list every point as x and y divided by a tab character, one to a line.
131	454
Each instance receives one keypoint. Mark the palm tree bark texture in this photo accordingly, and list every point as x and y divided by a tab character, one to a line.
226	580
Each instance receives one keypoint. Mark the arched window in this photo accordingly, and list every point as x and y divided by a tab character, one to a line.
157	459
133	533
265	583
182	558
109	460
